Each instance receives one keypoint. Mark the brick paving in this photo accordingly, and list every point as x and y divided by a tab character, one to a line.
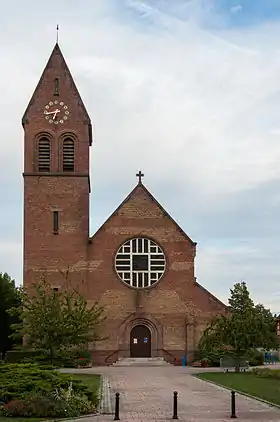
146	394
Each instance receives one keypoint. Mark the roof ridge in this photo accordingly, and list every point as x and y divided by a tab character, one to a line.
142	186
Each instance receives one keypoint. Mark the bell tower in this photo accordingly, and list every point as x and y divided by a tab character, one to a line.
57	138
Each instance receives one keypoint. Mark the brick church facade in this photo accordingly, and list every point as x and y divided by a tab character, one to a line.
139	264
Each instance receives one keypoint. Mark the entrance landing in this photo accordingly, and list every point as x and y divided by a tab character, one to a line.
159	361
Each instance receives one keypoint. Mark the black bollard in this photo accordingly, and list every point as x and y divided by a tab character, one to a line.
117	407
175	405
233	411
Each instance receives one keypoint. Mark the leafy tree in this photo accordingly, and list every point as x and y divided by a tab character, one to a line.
240	301
9	297
247	326
242	332
266	327
56	320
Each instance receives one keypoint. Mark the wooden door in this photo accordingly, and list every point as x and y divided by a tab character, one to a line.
140	342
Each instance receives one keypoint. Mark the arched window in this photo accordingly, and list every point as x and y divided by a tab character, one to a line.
68	154
44	154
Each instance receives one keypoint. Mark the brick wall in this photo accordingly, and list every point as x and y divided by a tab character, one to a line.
176	303
68	193
176	309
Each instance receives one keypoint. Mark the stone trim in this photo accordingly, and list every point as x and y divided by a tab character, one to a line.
150	322
106	407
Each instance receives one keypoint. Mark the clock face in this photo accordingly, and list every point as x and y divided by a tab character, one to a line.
56	112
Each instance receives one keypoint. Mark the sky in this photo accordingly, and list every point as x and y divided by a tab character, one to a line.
188	92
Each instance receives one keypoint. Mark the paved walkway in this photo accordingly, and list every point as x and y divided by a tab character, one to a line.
146	394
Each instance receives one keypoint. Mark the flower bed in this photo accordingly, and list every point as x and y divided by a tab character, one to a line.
27	390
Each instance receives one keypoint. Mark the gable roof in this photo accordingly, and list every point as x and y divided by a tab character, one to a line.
57	50
210	295
140	185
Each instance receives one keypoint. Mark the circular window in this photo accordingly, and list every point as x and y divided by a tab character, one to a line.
140	262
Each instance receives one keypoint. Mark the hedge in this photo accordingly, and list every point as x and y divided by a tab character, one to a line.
15	356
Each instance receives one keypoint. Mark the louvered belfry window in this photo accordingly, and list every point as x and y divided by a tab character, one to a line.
68	155
44	154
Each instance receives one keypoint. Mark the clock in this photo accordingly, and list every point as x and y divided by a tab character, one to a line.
56	112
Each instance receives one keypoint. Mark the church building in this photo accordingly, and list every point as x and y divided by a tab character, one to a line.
139	265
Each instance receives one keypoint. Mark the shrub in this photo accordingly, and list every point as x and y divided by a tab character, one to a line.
254	357
214	356
82	404
205	362
266	373
44	406
18	356
26	390
76	403
68	358
19	380
39	407
16	408
82	362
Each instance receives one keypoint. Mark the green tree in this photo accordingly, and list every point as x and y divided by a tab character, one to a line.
242	334
239	300
9	297
266	327
56	320
247	326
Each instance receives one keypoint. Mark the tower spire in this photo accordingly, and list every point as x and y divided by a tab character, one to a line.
57	32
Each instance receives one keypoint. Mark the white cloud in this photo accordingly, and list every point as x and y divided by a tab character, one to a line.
11	259
236	9
196	97
253	263
192	95
196	110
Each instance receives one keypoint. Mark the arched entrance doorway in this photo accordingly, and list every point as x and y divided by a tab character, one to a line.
140	342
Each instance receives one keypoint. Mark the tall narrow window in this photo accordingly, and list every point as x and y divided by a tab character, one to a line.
55	222
68	155
44	154
56	87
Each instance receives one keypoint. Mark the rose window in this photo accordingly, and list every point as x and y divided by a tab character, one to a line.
140	262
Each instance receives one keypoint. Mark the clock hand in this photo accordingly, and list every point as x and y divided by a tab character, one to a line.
49	112
56	111
52	112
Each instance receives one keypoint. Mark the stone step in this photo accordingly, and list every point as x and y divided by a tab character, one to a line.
158	361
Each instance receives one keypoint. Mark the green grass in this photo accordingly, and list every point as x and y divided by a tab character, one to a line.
259	387
4	419
92	381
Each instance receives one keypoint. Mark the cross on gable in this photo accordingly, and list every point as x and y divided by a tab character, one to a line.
140	175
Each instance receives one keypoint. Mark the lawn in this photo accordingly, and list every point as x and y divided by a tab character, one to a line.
92	381
260	387
4	419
